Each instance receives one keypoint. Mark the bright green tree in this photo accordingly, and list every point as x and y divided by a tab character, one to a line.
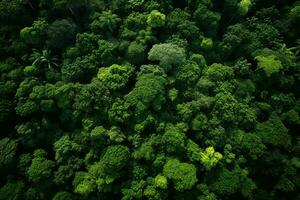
183	175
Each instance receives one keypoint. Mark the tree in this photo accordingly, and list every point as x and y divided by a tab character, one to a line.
91	98
156	19
83	183
11	10
35	34
105	21
207	44
188	74
12	190
106	54
149	90
230	182
6	111
226	107
174	138
113	159
146	150
104	172
149	99
167	55
85	43
200	123
151	192
64	148
208	21
119	112
135	22
132	190
62	196
43	59
60	33
8	150
291	117
219	72
270	64
193	151
75	7
81	70
40	168
116	76
161	182
136	53
273	132
26	108
183	175
244	6
66	171
250	144
235	36
209	158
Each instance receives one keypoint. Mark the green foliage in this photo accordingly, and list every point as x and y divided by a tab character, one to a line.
134	190
104	172
11	10
230	182
84	184
273	132
291	117
193	151
116	76
6	110
207	44
43	59
207	20
149	99
161	182
244	6
183	175
167	55
251	144
31	70
82	69
62	196
12	190
152	193
26	108
188	74
136	53
173	94
60	33
73	6
219	72
147	149
64	148
105	54
118	112
200	122
36	33
149	90
40	168
7	152
105	21
174	138
209	158
270	64
156	19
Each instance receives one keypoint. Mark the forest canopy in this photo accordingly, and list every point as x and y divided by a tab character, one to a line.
149	99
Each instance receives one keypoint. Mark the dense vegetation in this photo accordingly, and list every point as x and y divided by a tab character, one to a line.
149	99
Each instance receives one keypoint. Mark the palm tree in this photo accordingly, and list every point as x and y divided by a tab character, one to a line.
43	59
105	21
